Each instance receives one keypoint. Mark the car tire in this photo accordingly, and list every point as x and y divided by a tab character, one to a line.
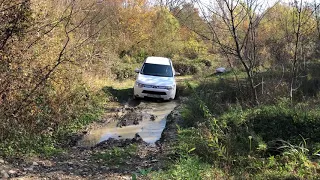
136	97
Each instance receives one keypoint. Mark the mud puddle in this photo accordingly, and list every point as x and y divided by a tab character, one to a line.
147	120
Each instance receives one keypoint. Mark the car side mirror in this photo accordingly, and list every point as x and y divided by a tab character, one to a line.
177	74
137	70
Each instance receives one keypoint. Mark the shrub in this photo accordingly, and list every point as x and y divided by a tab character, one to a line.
274	123
217	96
206	62
244	131
186	68
123	71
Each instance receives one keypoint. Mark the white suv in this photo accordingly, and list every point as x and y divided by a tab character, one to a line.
156	79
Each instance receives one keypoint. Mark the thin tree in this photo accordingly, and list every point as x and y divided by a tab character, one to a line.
240	21
301	15
316	10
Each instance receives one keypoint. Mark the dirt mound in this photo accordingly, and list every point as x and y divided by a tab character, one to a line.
119	142
131	118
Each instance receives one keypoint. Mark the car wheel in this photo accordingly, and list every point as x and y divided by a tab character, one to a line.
136	97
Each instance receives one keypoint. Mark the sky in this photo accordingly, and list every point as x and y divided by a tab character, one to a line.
265	3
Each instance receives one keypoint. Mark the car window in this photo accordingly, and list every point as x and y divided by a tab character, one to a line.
156	70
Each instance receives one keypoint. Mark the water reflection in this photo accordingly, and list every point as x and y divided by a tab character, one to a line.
150	131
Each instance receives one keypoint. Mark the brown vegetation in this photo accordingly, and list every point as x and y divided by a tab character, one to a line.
49	49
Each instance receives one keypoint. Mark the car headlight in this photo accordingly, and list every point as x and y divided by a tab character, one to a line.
169	87
139	85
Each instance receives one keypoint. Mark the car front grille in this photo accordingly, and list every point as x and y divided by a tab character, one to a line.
154	92
155	87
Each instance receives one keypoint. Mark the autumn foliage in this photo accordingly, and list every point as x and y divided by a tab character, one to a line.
50	48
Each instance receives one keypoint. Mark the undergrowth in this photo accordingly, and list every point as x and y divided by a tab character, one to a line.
278	140
190	167
116	156
56	137
51	141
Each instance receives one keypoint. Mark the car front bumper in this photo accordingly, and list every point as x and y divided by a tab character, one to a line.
142	92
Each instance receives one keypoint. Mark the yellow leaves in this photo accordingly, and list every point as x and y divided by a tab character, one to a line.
136	20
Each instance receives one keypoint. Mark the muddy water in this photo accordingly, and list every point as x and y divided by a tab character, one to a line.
149	129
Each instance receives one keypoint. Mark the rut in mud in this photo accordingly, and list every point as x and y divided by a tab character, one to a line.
128	139
147	120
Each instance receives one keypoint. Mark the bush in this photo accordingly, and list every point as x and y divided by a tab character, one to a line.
186	68
286	123
245	130
275	138
206	62
274	124
124	71
217	96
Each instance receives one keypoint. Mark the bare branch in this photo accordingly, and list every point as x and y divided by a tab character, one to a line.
58	62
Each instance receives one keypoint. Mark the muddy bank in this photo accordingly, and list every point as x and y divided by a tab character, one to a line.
110	143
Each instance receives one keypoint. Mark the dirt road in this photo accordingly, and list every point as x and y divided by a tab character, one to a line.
128	141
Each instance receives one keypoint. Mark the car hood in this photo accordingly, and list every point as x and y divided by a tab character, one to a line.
155	80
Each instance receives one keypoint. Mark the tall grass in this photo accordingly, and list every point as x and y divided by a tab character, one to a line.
278	139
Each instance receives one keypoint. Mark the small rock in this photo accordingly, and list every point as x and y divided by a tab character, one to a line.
119	114
70	163
12	172
28	169
5	175
35	164
118	109
152	117
46	163
137	138
2	161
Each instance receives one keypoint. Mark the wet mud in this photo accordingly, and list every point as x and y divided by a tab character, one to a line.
144	122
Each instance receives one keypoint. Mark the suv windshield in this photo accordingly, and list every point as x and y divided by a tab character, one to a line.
157	70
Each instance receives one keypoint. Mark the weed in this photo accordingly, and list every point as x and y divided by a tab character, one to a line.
144	172
116	156
190	167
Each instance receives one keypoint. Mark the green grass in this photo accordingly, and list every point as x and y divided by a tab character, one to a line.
49	143
116	156
232	146
189	167
223	131
27	145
